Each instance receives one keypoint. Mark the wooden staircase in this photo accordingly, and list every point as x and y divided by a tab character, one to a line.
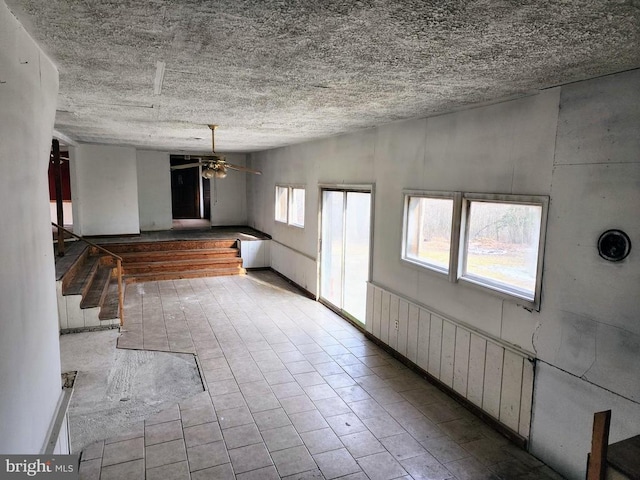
175	259
93	278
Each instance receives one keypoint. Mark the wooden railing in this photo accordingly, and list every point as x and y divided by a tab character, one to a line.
117	258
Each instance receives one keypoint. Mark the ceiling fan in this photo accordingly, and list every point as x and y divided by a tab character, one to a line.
214	165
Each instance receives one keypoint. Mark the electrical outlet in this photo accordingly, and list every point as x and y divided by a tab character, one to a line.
396	324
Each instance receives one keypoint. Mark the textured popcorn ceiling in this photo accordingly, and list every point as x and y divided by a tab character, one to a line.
273	73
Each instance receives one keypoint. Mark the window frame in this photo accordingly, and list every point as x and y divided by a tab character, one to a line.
289	192
459	240
453	252
487	284
277	205
304	209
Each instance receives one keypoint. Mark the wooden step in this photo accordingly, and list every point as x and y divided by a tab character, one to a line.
94	294
169	255
119	248
109	306
82	276
177	275
181	265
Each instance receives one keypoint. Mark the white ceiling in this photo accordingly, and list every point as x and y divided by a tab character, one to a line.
277	72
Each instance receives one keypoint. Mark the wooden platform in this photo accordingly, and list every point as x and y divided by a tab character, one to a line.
173	259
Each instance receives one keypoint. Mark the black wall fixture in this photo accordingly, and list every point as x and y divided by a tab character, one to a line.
614	245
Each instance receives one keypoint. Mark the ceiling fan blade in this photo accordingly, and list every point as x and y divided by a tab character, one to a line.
187	165
242	169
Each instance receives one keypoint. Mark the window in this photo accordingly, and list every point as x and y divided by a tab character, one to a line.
428	223
493	241
290	205
501	247
296	207
282	202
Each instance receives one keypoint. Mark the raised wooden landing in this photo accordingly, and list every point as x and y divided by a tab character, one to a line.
176	259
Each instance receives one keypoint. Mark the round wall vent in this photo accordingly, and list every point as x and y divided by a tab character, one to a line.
614	245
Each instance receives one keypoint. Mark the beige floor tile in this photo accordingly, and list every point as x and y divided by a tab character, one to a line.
336	463
281	438
124	451
241	436
381	466
354	393
403	446
278	376
383	426
293	460
309	378
362	444
271	419
165	453
133	470
198	415
228	401
319	392
252	457
469	469
345	424
174	471
90	469
207	455
426	467
201	434
277	364
298	404
308	421
266	473
259	403
163	432
444	449
287	390
320	441
332	406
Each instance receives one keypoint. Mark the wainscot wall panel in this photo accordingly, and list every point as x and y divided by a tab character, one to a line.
494	376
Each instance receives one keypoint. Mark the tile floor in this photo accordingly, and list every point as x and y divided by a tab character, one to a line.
293	391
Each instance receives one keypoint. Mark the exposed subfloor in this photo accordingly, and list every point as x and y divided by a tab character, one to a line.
115	389
294	391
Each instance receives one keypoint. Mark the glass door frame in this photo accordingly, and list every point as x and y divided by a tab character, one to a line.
357	188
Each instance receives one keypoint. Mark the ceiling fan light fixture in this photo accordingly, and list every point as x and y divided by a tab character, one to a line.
221	172
209	173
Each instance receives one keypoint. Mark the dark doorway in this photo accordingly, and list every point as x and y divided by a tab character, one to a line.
185	190
65	178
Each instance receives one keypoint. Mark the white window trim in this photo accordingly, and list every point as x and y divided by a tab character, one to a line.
453	255
290	188
459	233
486	284
285	221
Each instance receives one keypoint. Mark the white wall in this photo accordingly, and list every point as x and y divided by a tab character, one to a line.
229	205
154	190
579	145
104	190
589	331
30	384
67	212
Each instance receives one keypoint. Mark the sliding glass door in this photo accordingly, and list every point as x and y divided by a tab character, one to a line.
345	245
